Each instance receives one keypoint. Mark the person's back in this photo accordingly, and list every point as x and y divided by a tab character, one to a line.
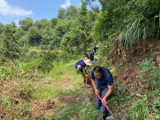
89	56
81	62
94	50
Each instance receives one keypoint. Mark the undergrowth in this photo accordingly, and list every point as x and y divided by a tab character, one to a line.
25	85
82	111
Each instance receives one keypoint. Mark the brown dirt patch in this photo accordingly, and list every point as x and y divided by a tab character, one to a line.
117	115
91	92
47	109
139	52
70	99
89	80
140	48
127	75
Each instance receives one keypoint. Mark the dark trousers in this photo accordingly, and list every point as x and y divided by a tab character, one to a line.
99	104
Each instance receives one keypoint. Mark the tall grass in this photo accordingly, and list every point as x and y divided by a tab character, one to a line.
140	30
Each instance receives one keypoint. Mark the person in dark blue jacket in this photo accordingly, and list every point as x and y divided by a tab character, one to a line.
103	83
94	50
82	64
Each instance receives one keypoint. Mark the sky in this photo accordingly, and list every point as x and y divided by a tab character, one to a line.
15	10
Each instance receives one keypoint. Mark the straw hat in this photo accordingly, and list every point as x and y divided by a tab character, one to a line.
87	62
97	46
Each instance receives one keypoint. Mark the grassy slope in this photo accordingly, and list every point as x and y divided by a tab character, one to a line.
60	95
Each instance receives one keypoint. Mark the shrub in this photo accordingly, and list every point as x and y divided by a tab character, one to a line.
24	49
32	53
139	110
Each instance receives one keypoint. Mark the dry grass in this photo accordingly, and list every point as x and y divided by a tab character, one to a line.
17	98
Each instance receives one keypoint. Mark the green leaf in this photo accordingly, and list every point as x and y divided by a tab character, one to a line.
157	116
155	109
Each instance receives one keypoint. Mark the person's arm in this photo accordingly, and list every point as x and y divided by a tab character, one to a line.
94	85
85	72
110	89
94	52
92	64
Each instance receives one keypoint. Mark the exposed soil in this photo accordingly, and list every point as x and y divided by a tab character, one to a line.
91	93
126	74
139	52
70	99
47	109
140	48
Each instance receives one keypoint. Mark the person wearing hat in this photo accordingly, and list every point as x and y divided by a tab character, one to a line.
89	56
94	52
82	64
103	83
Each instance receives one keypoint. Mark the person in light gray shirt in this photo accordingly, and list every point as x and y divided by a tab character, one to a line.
89	56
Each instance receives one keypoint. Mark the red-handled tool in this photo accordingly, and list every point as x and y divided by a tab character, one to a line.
86	81
110	117
86	78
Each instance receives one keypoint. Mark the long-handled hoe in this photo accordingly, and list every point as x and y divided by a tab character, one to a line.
110	117
86	81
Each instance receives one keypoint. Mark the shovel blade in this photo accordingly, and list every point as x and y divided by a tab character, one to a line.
110	118
87	85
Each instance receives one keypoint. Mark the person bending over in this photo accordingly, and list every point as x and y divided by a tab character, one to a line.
94	51
103	83
89	56
80	65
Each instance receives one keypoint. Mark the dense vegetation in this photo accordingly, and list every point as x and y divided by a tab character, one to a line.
38	57
70	31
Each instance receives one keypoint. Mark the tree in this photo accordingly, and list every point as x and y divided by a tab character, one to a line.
27	23
71	11
20	22
9	47
1	28
66	43
18	34
13	24
55	37
34	36
93	13
24	40
44	23
54	22
38	24
58	33
61	13
82	27
78	36
82	16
